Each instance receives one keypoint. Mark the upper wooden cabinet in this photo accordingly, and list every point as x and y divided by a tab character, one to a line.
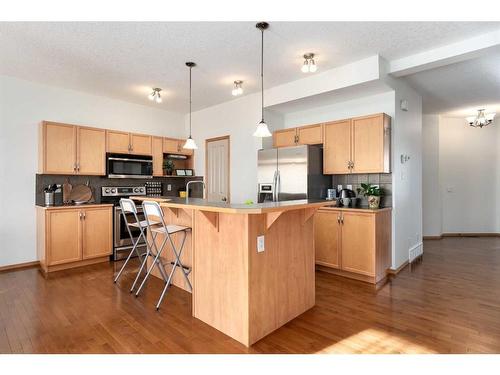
70	149
91	147
304	135
371	139
356	242
337	147
358	145
57	148
157	145
285	138
310	135
140	144
175	146
128	143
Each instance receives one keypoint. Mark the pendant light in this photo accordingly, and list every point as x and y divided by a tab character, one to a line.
190	143
481	119
262	129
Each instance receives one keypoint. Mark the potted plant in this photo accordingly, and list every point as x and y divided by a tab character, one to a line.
168	167
373	193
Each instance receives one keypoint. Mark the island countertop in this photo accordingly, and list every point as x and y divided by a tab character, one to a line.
256	208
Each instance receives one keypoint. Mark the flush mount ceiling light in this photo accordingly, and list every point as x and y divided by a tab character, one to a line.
309	65
481	119
262	129
190	143
237	90
155	95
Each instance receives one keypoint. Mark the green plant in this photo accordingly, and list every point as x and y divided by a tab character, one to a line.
370	190
168	165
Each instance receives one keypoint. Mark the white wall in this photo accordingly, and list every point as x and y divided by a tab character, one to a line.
431	190
22	106
468	173
238	119
407	177
378	103
461	177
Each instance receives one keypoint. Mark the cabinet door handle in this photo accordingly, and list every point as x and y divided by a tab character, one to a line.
80	215
338	218
342	219
84	215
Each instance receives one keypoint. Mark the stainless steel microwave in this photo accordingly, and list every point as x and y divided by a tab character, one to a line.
129	166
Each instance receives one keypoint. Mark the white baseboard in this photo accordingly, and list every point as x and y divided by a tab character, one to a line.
415	251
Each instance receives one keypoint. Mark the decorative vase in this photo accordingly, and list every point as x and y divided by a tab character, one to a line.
373	202
168	172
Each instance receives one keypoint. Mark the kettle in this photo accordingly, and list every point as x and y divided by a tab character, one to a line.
347	193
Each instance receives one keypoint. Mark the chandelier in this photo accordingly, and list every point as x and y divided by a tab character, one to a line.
481	119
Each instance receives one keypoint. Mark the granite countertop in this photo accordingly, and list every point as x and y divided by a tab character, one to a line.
72	205
257	208
356	209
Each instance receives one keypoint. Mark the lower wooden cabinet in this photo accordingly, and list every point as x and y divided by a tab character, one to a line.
354	243
69	237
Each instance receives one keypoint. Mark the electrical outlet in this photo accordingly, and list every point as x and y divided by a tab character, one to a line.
169	187
260	244
349	187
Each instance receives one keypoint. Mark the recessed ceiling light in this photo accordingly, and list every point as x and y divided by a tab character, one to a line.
155	95
309	65
238	89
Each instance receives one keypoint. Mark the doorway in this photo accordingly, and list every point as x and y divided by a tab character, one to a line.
217	162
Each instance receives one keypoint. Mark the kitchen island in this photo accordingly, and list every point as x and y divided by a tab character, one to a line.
242	288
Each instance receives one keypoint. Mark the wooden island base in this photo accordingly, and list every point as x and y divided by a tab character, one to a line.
244	293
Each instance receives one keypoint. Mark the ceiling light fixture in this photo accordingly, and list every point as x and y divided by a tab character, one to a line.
190	143
481	119
309	65
237	90
262	129
155	95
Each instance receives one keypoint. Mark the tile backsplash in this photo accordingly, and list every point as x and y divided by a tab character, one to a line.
96	182
384	180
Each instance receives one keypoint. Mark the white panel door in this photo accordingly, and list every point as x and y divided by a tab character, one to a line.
217	175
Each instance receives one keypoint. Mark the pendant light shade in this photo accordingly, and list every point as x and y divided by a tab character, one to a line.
262	129
190	143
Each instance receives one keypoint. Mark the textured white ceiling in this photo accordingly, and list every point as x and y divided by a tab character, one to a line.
124	60
462	88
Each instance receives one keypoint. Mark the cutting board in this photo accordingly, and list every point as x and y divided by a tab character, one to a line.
66	190
80	194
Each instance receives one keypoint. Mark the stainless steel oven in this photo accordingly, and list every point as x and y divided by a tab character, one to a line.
122	244
129	166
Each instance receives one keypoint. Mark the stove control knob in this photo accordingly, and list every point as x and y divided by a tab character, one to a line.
106	191
113	190
136	190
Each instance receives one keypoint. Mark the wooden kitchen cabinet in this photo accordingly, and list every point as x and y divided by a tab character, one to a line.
140	144
91	151
354	243
170	145
71	149
310	135
157	151
118	142
337	147
128	143
357	145
73	236
327	239
97	232
182	150
63	237
304	135
285	137
371	138
57	148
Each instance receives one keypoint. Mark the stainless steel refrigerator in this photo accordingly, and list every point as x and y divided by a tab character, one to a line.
291	173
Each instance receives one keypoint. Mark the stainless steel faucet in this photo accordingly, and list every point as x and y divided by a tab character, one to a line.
192	182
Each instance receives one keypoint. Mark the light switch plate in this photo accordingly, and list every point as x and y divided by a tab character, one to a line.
260	244
349	187
169	187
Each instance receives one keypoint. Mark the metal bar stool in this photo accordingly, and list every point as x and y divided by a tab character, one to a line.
128	207
152	212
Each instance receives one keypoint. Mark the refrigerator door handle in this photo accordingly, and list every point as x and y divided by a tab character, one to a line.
278	184
275	179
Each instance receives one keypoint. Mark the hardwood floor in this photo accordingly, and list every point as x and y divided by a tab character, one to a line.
449	303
